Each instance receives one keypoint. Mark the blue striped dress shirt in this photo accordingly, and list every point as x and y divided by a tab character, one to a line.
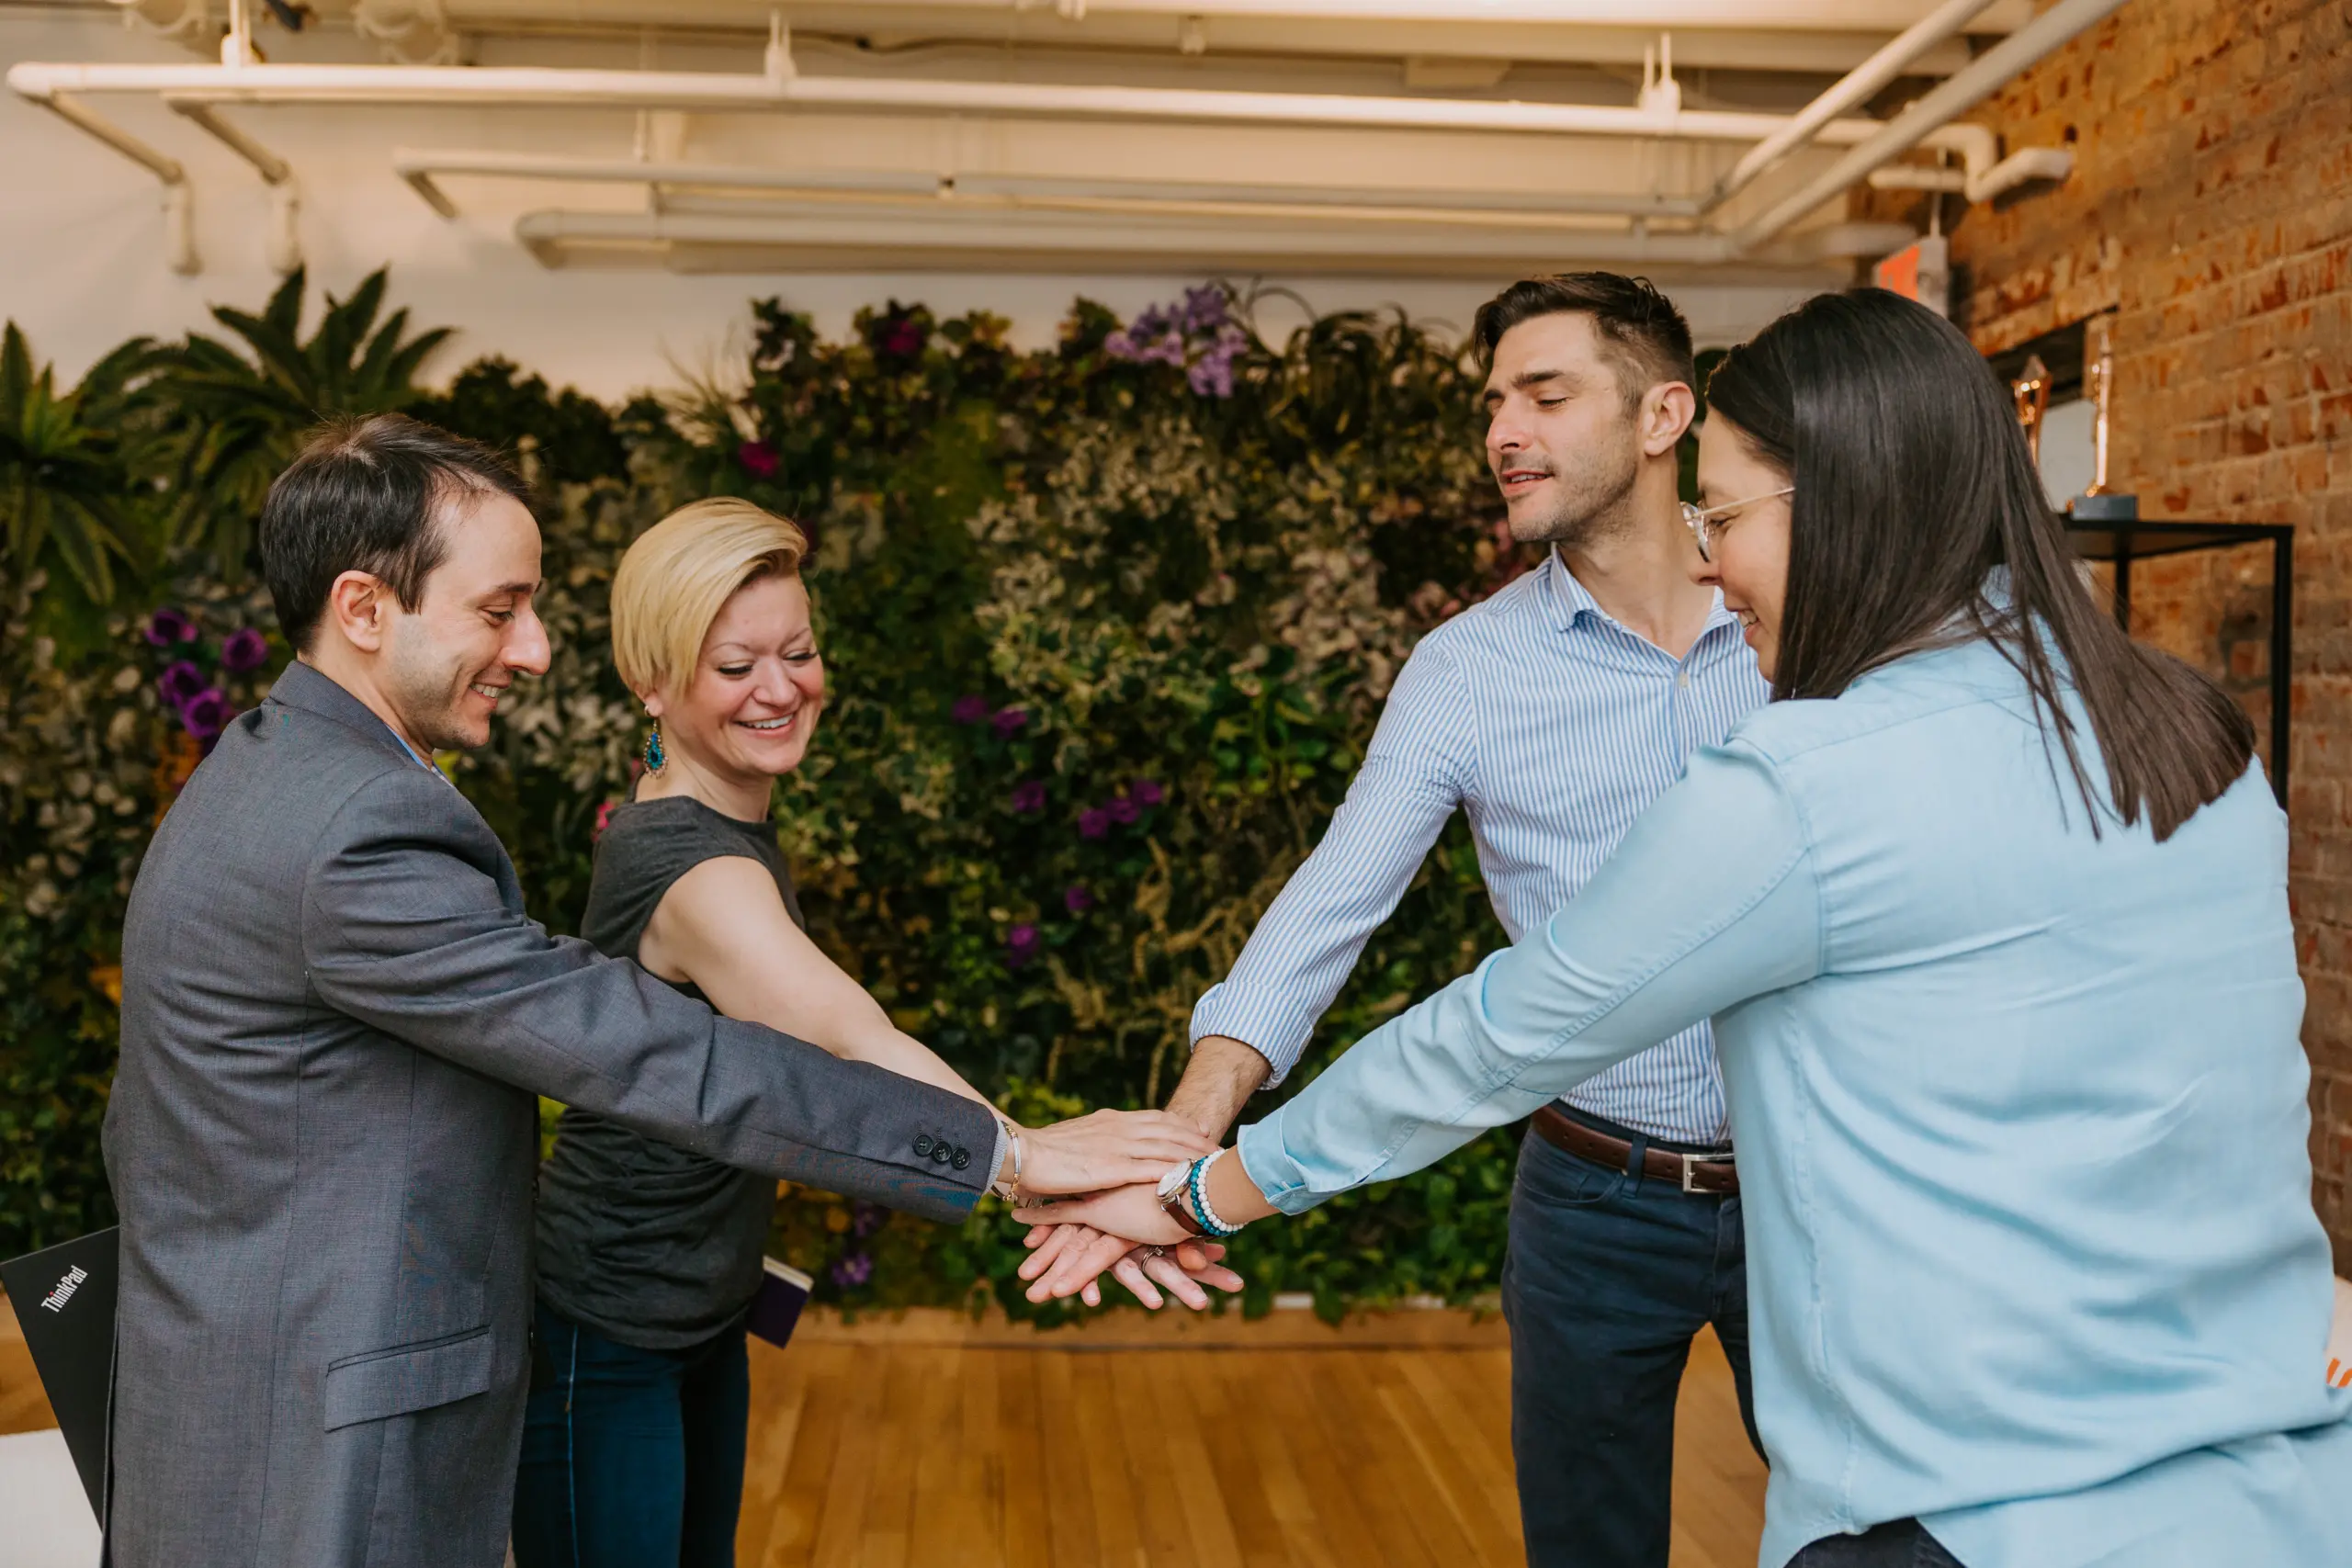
1554	727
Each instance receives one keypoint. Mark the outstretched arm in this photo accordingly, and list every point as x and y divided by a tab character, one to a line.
1250	1029
405	930
1710	902
722	927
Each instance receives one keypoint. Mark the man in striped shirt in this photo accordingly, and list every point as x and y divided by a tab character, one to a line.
1553	712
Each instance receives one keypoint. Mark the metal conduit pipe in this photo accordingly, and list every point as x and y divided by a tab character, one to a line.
179	198
2044	35
1127	241
1850	92
547	86
2026	164
420	166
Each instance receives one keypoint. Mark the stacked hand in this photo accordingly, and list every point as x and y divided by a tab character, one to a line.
1113	1160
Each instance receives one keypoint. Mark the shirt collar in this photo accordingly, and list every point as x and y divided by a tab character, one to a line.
425	762
1568	600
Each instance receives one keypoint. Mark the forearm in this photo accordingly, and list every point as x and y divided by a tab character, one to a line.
1218	1081
1710	900
885	1047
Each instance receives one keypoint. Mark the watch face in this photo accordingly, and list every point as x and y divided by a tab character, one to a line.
1173	1182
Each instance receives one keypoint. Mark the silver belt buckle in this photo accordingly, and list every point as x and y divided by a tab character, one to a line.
1690	1163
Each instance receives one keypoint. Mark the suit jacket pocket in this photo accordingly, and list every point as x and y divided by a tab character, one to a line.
407	1378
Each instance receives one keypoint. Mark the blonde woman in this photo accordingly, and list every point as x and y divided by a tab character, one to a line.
649	1255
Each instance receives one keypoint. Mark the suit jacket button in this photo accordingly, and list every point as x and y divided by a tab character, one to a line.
922	1144
962	1157
940	1152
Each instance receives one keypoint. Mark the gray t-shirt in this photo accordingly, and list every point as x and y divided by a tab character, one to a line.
643	1243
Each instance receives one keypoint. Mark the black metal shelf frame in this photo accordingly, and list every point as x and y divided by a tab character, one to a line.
2123	543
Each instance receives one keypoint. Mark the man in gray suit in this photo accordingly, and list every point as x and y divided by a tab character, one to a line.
322	1133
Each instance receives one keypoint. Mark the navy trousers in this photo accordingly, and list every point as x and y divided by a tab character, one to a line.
1608	1279
632	1457
1903	1544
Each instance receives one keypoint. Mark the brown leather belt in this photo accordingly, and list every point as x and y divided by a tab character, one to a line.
1693	1173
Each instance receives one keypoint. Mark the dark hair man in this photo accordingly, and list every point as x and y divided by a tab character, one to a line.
322	1133
1553	714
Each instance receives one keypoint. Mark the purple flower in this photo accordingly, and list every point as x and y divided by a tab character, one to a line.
1094	822
1124	810
245	650
1169	350
1204	308
1154	321
853	1270
1211	375
759	459
207	713
1022	944
1029	795
1007	720
1146	793
969	710
902	339
180	683
866	1218
1119	345
1076	899
167	625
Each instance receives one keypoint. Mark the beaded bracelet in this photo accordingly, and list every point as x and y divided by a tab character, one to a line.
1197	1185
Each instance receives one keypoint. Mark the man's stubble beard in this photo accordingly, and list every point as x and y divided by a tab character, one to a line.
427	688
1595	502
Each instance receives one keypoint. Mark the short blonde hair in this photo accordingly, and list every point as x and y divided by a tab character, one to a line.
677	577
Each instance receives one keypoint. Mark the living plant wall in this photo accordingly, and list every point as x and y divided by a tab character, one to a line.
1107	626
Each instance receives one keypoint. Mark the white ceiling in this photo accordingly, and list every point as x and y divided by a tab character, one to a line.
1433	137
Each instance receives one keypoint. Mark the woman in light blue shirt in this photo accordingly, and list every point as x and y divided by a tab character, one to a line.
1994	931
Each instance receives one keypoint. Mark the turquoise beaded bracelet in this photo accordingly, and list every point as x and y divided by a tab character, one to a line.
1197	1185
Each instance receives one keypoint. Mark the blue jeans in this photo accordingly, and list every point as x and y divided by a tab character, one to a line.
1608	1279
632	1457
1903	1544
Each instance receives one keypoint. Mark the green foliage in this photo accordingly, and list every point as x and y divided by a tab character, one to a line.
1107	626
61	488
238	417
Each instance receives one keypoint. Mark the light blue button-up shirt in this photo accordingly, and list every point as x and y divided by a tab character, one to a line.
1552	726
2021	1117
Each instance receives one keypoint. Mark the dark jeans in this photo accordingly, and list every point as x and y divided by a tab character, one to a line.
632	1458
1608	1279
1903	1544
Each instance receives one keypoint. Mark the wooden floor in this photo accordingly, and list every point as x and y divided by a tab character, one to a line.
927	1441
896	1445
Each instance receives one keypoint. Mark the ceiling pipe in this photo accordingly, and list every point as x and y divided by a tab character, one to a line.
420	168
1850	92
1123	242
2043	36
715	91
283	244
179	198
1813	14
2020	167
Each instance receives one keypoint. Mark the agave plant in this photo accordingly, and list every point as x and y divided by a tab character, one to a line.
62	486
240	418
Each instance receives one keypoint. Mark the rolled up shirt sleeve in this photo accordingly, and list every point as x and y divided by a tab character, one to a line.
1711	900
1414	773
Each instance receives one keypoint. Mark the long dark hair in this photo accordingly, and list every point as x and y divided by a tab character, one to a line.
1913	483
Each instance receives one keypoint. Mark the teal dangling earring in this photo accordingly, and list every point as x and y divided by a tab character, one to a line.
654	757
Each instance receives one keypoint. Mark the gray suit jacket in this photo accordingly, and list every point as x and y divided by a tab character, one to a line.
323	1138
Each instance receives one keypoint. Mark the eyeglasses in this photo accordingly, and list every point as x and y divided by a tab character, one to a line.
1704	522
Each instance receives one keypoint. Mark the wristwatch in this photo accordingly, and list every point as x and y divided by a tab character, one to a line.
1172	1198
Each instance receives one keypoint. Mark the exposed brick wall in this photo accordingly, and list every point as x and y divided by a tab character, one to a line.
2211	207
